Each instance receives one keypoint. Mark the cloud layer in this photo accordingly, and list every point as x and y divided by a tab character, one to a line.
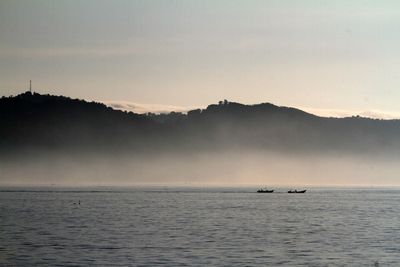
146	108
335	113
342	113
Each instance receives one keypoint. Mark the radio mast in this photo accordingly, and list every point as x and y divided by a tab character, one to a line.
30	86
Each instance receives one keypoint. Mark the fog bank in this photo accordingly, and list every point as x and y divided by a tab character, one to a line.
248	168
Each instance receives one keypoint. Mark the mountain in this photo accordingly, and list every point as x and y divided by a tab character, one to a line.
35	122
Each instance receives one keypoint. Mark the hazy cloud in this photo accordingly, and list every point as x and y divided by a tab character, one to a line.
145	108
336	113
341	113
74	51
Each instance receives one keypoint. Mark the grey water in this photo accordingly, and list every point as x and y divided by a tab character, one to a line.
198	227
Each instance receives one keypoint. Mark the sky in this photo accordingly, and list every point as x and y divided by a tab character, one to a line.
337	56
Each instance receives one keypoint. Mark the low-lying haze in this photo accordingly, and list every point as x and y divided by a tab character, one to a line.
55	140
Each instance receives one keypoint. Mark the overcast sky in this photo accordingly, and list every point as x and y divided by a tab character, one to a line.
319	54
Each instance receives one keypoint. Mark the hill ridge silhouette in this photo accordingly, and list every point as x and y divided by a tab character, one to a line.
32	121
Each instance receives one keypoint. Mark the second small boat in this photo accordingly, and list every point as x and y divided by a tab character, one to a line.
295	191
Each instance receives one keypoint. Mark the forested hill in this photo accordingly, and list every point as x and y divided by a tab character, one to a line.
50	122
57	123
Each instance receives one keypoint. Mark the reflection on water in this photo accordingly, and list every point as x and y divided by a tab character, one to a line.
200	227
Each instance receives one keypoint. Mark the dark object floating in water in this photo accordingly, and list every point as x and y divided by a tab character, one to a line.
264	191
295	191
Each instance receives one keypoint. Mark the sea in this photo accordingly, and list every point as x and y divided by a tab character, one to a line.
182	226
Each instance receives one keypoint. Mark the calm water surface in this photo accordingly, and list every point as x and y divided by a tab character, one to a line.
198	227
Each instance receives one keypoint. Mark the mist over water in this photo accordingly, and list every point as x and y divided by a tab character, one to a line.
90	177
79	219
56	140
229	168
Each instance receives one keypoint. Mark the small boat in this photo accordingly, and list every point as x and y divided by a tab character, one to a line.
295	191
264	191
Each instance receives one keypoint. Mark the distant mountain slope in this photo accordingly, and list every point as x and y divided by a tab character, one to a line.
34	120
57	123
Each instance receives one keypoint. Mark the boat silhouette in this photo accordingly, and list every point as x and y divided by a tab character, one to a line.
295	191
264	191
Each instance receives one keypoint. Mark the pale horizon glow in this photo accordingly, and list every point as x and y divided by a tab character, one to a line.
335	55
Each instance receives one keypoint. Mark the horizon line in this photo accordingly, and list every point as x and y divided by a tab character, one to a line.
144	108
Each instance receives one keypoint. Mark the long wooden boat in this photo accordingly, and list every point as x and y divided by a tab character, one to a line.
264	191
297	192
